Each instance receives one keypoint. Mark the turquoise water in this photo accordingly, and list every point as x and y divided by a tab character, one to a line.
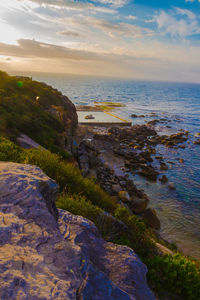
179	103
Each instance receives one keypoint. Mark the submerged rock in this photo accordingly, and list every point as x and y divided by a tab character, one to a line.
163	179
171	186
47	253
163	166
197	142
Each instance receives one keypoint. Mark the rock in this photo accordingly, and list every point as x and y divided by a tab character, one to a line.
124	196
164	250
171	186
149	172
137	116
138	205
163	179
146	155
153	122
163	166
89	117
131	133
197	142
47	253
116	188
150	216
197	134
27	143
159	157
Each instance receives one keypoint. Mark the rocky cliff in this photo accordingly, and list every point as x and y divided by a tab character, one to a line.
47	253
35	110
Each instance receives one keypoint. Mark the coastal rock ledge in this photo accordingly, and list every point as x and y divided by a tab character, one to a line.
47	253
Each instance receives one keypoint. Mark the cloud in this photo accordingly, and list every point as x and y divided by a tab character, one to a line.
75	6
130	17
191	1
178	27
146	60
119	29
69	33
31	48
113	3
186	12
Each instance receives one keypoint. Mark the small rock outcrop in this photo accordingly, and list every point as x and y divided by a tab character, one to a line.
47	253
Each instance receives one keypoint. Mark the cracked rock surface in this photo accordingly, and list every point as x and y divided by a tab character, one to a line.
47	253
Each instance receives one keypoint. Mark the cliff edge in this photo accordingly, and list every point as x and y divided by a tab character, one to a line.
47	253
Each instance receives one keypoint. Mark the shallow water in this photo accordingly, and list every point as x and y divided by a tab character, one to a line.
179	103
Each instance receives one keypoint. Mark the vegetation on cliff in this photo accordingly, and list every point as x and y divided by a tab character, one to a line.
35	109
175	274
44	119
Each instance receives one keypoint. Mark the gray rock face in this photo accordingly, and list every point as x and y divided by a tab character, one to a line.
47	253
27	143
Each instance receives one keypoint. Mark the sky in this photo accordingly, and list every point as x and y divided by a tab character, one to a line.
139	39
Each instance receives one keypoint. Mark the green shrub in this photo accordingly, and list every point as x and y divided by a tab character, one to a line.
175	274
9	151
21	113
67	175
78	205
138	235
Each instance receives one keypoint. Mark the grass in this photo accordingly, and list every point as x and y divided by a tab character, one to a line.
174	275
66	174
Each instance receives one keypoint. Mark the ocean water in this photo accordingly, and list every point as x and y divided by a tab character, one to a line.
179	103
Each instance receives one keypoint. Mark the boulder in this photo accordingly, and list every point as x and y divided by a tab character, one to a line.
163	179
116	188
171	186
124	196
197	142
27	143
153	122
150	216
149	172
138	205
163	166
47	253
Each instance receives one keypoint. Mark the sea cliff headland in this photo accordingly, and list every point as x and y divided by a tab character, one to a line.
90	169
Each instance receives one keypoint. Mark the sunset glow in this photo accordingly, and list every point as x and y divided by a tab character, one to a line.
118	38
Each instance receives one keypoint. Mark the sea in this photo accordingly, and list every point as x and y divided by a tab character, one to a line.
179	103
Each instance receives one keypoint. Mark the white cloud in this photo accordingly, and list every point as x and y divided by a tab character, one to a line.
191	1
186	12
113	3
130	17
74	6
178	27
118	29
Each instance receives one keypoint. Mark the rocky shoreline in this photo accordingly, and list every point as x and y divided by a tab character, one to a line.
111	156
